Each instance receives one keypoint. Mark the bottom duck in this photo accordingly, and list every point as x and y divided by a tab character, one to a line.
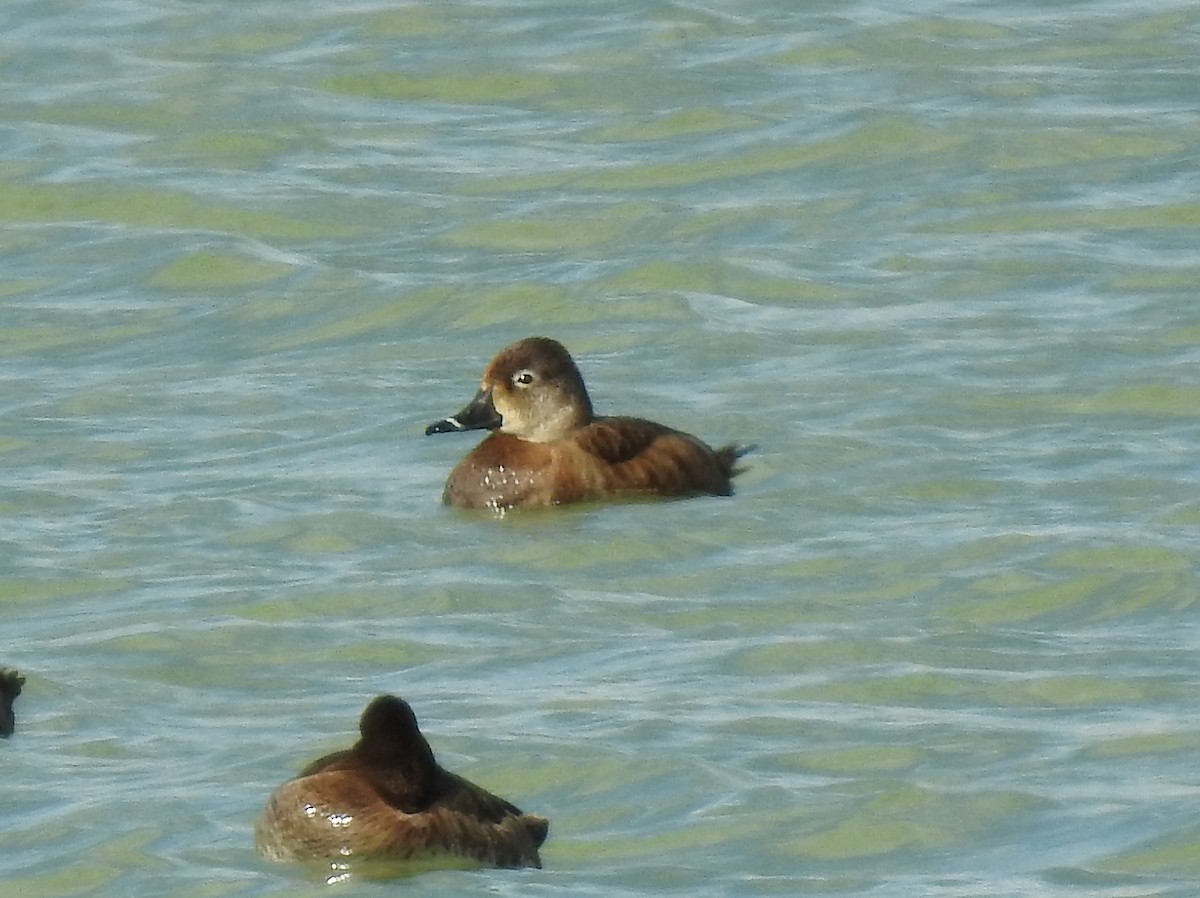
387	799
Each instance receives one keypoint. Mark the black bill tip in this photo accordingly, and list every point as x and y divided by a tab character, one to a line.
479	414
446	425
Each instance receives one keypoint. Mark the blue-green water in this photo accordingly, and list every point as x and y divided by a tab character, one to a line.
938	261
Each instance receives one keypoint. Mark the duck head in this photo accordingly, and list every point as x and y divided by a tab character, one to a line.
531	390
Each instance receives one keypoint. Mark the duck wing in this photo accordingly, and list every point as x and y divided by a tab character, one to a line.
644	456
458	794
617	440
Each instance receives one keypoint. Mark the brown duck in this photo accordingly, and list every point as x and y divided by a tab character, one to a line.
388	799
549	448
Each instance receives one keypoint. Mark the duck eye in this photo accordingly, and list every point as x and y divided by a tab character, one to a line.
523	378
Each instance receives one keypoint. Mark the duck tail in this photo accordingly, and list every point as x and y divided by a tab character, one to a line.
729	455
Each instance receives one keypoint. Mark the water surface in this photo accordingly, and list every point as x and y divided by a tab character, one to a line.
937	261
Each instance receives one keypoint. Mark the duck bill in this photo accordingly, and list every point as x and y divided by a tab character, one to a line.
479	414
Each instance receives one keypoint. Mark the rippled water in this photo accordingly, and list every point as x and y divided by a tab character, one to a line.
937	260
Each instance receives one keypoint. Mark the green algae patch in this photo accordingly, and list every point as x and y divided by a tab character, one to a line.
206	271
78	203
